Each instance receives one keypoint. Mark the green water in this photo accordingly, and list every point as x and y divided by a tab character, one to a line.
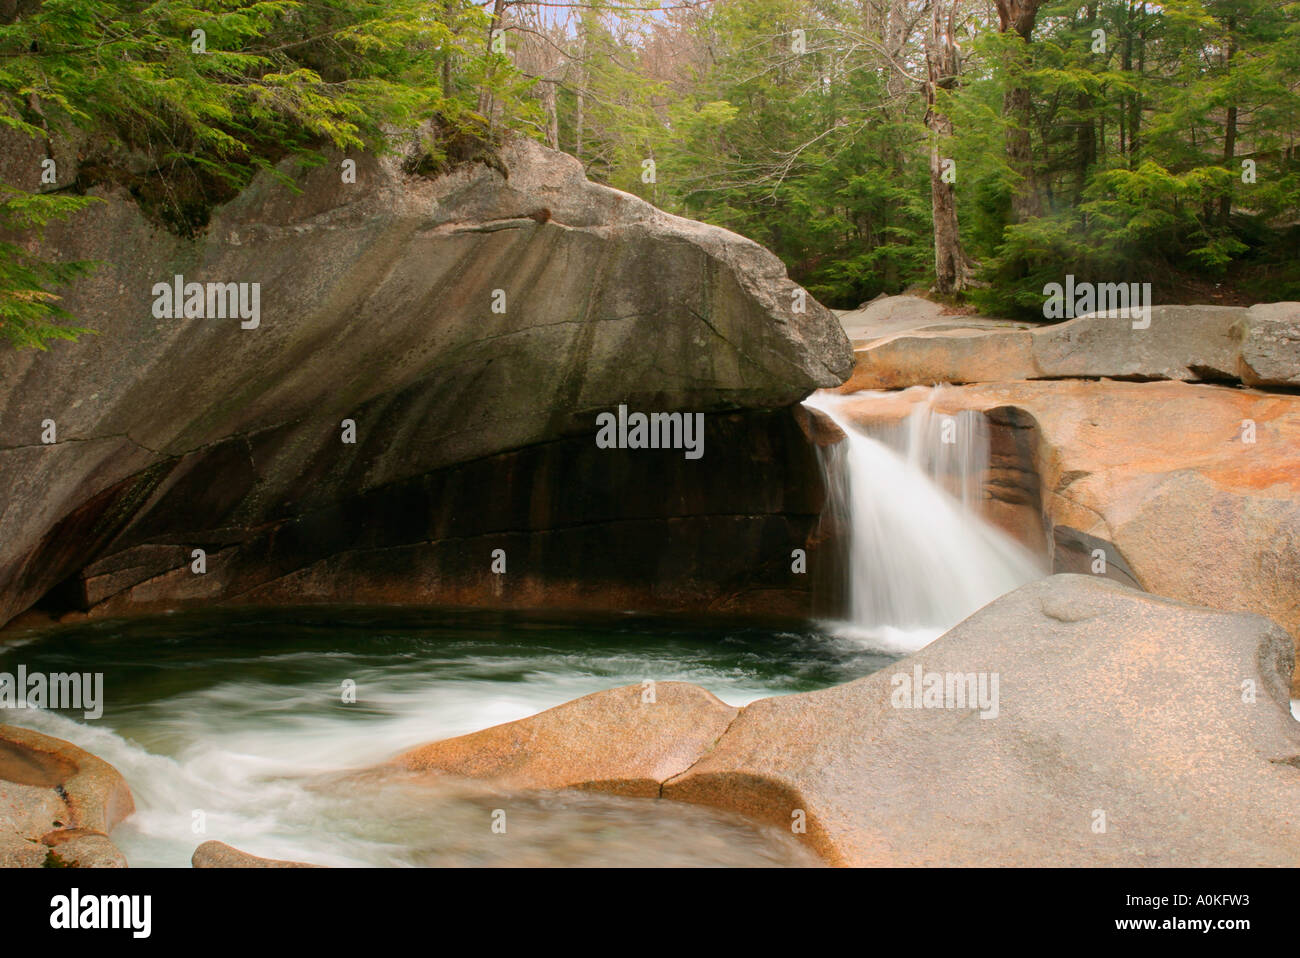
235	720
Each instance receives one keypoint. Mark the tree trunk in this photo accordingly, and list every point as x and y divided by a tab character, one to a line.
577	146
1229	127
1017	108
952	267
486	99
580	85
552	114
446	56
1086	134
1135	105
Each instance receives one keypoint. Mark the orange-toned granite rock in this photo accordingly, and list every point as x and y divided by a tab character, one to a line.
57	801
628	741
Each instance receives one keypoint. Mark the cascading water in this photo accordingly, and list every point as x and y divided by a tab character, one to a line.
920	557
238	714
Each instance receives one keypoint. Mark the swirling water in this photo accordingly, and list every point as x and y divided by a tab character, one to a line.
232	724
235	720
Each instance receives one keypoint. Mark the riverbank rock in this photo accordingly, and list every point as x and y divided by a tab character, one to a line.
887	316
1257	346
1270	345
1129	730
440	322
220	855
627	741
1107	727
1191	491
57	803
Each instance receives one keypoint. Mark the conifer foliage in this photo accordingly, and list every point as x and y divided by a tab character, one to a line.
976	147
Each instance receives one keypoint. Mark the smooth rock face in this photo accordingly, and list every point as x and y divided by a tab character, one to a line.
889	314
626	741
376	305
1257	346
57	801
1161	476
1110	702
1186	343
925	358
1270	345
220	855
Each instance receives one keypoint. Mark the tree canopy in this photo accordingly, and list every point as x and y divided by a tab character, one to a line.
1118	140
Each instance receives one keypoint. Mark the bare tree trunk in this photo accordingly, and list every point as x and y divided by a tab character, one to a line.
1135	104
1230	127
1086	134
580	84
952	267
895	32
446	56
1017	109
577	146
486	100
552	114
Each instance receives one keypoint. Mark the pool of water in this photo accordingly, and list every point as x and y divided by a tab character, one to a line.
232	725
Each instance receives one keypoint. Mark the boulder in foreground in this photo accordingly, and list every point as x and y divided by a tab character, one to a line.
627	741
220	855
1126	729
57	803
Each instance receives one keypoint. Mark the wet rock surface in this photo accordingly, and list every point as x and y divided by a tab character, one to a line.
57	803
627	741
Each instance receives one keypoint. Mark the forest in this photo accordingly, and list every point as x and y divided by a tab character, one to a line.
976	149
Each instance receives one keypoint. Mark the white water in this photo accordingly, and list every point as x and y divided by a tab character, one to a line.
921	558
270	757
275	766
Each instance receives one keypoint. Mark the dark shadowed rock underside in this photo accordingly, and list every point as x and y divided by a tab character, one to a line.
377	306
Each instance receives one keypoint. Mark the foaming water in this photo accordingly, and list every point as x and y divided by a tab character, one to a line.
920	557
235	719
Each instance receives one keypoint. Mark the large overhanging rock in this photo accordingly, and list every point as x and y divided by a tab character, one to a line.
1126	729
1259	346
451	318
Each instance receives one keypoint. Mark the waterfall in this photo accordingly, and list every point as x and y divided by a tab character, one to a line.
920	558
